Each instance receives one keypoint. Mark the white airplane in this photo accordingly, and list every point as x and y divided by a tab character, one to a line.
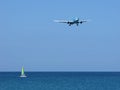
75	21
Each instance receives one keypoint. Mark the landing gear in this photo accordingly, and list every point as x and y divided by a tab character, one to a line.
77	24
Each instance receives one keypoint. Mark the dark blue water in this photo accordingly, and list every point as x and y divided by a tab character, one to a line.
60	81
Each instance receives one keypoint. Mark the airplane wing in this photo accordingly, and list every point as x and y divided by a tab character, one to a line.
82	21
61	21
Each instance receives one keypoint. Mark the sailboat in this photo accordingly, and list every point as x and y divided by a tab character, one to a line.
22	73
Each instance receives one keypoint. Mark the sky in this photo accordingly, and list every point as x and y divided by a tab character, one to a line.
30	38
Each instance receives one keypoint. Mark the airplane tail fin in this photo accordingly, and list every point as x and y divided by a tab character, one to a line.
77	18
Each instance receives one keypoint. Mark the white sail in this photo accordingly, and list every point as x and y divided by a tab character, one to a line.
22	73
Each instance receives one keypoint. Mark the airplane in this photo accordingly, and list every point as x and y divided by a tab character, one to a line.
75	21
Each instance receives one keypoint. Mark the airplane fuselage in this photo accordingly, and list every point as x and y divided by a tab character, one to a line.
73	22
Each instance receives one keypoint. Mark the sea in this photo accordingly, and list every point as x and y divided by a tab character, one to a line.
60	81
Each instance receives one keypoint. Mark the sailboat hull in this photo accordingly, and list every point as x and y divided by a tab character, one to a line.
23	76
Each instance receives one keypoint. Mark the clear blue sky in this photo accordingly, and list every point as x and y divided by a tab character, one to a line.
30	38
